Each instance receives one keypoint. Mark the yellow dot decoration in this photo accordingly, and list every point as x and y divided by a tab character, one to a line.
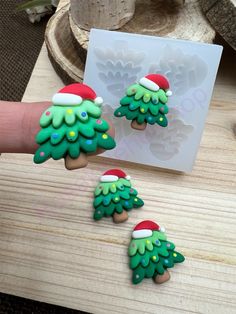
174	254
142	110
135	199
147	241
146	95
161	119
69	111
72	133
104	136
154	258
116	198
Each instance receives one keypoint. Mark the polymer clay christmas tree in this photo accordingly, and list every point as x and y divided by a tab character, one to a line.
114	196
151	254
146	102
73	127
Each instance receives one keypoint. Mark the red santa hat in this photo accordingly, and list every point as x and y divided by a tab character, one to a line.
154	82
113	175
145	228
74	94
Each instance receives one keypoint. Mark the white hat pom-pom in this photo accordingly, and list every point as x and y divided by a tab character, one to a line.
162	229
98	101
169	93
128	177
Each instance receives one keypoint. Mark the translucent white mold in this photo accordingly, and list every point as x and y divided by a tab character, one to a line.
116	60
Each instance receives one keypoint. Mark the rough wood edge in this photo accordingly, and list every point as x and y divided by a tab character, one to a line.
62	69
221	15
81	36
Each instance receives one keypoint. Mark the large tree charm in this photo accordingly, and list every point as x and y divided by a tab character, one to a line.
146	102
151	254
114	196
72	127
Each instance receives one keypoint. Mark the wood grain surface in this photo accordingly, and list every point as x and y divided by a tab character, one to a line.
67	43
105	14
51	249
161	18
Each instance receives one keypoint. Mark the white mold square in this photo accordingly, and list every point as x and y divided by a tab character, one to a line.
116	60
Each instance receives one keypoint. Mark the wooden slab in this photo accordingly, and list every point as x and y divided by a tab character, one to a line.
67	44
61	51
158	18
222	16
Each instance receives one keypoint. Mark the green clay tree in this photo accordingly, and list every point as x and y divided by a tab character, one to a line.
151	256
144	104
115	198
70	131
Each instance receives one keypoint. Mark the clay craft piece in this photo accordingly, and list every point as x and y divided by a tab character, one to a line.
146	102
151	254
73	127
114	196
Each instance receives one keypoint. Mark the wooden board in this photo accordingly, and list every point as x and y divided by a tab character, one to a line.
61	51
159	18
222	16
52	251
68	52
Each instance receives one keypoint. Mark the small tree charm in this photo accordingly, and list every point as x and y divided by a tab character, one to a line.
72	127
145	102
151	254
114	196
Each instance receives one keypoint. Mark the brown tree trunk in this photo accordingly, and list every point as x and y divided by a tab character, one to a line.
135	125
118	218
80	162
162	278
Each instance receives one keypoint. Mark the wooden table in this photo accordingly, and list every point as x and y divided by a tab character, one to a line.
53	251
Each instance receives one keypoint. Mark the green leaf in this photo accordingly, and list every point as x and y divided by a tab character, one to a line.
105	141
154	109
119	208
106	200
159	268
161	120
99	212
31	4
58	117
59	150
138	275
43	153
44	135
109	210
135	105
98	200
178	258
125	101
74	150
140	118
138	202
150	270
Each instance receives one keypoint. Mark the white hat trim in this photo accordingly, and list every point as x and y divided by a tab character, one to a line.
128	177
149	84
66	99
108	178
144	233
